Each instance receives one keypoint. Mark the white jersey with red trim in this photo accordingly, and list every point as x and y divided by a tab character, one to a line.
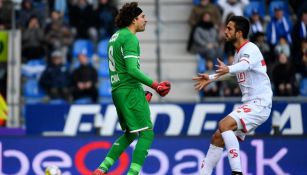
254	82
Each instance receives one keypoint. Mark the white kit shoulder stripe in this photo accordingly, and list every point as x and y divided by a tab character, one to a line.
131	56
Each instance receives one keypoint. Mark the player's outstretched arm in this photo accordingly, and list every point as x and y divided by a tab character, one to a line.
202	80
222	68
222	73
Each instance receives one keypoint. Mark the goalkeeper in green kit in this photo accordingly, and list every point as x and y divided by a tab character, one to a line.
127	92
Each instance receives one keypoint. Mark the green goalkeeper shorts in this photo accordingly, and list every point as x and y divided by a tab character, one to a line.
132	109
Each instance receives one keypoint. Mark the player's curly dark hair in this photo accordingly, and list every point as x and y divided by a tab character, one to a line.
126	14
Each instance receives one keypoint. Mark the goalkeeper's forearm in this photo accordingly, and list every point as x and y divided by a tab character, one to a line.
133	71
221	78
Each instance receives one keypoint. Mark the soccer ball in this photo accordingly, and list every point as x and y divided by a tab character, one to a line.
53	170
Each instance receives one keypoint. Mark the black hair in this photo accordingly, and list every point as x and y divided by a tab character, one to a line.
127	14
241	24
33	17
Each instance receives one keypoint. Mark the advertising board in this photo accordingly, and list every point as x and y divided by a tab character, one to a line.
168	155
169	119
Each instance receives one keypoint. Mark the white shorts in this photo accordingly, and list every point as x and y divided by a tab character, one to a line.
249	116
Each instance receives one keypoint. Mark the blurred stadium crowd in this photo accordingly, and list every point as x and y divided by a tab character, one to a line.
64	45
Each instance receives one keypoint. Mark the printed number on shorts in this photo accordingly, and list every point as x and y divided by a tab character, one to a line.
244	108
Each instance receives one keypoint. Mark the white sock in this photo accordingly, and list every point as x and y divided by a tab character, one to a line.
213	156
233	150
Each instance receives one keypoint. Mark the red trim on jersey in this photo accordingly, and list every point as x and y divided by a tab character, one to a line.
244	59
263	62
239	138
242	45
244	126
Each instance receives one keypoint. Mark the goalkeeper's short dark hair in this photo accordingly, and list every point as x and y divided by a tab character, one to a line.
126	14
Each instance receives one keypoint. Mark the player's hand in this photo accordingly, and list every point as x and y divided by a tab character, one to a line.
162	88
202	80
222	69
148	96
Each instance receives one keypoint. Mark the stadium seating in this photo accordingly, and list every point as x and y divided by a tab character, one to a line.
85	100
83	46
103	70
279	4
105	88
303	87
257	6
57	101
32	92
102	48
33	68
201	64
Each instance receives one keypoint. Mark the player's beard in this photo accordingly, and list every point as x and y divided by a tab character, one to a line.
142	28
231	39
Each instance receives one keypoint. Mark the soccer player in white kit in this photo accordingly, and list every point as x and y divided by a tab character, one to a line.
250	69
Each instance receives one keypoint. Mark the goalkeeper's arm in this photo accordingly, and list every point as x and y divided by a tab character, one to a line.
161	88
136	73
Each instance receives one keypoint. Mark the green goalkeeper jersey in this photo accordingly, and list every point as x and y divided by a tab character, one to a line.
124	66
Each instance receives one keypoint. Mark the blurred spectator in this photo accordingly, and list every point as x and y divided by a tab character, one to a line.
284	77
232	6
84	80
104	19
205	6
259	40
205	39
56	18
299	34
256	22
297	6
282	47
212	89
197	15
33	40
55	78
28	11
6	9
230	88
81	19
279	26
302	63
58	35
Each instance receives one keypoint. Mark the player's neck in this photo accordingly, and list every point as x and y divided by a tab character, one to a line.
132	29
240	43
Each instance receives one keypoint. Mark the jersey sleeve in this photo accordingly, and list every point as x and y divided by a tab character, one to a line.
251	55
247	60
131	48
136	73
131	56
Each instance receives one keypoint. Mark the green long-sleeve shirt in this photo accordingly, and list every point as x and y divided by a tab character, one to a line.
124	58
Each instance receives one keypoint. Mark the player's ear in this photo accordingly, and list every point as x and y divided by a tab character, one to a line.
239	34
134	20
